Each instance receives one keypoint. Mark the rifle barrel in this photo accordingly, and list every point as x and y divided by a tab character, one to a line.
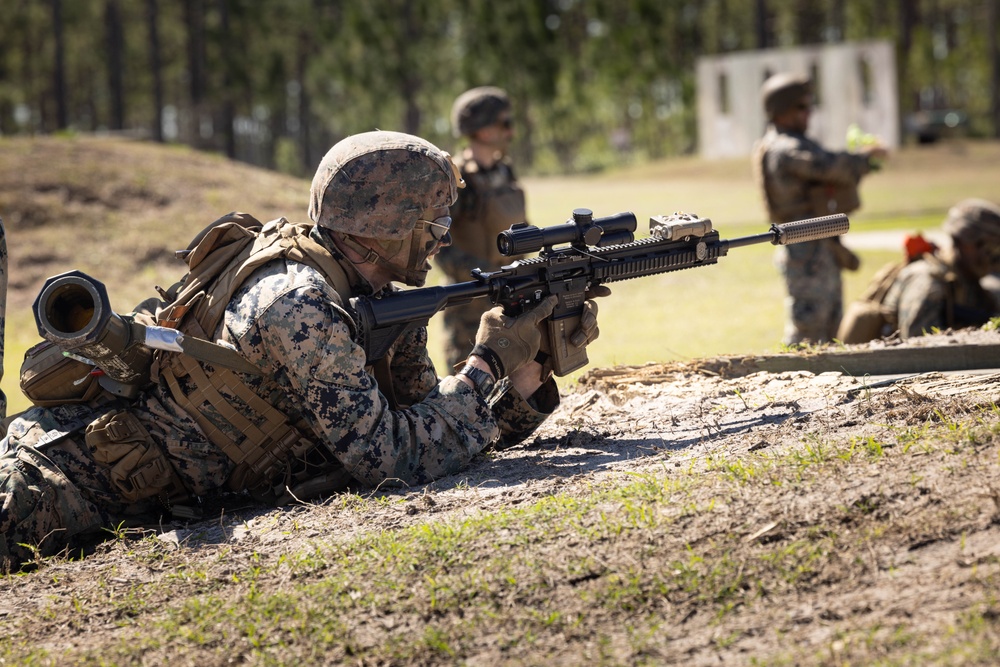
799	231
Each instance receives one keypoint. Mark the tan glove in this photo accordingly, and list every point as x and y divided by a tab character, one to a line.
572	347
512	341
587	332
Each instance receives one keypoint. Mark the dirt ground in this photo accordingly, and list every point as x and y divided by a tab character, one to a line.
938	562
915	561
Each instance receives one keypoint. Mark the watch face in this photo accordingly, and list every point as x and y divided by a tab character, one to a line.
482	380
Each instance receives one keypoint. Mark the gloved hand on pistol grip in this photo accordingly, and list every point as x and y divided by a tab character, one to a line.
587	332
513	341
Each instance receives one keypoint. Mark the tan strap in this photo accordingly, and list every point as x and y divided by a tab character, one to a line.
263	447
221	262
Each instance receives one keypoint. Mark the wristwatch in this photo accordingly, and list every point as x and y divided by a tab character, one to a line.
481	380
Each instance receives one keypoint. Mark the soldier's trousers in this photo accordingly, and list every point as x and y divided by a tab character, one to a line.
60	485
814	302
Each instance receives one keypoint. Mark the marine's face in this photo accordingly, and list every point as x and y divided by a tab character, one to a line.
499	134
796	117
411	256
979	258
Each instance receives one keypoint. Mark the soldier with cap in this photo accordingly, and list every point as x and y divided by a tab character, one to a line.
943	289
316	418
801	179
491	202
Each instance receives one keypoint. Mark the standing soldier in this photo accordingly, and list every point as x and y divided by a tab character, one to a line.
801	180
491	202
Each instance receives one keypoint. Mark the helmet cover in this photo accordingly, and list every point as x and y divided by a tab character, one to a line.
782	91
477	108
377	184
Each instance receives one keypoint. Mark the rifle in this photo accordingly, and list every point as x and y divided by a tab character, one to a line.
593	251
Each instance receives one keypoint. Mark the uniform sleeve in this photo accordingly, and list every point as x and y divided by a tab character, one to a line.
413	371
309	346
519	417
815	164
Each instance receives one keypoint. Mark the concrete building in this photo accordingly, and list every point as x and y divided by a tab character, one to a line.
854	82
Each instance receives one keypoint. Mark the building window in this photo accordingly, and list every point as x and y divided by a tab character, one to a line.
865	74
723	83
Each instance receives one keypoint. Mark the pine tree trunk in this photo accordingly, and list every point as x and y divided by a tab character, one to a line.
155	65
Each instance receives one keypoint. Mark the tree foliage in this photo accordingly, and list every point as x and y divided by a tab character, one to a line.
593	81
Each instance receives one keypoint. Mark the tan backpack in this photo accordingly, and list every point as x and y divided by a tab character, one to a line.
867	318
220	259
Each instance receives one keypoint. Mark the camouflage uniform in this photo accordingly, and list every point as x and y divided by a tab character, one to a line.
930	294
940	292
794	171
491	202
291	323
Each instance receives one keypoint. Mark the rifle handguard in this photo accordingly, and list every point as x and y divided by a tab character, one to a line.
813	229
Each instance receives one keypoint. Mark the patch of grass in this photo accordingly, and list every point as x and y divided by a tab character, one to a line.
128	215
563	571
713	558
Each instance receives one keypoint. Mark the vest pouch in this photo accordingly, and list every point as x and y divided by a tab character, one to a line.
137	465
863	321
50	378
829	198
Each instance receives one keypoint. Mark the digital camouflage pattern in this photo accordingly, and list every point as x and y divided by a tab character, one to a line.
789	166
931	294
975	221
477	108
290	323
377	184
940	291
491	202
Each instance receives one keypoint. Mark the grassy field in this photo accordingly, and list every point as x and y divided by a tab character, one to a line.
695	520
736	306
117	210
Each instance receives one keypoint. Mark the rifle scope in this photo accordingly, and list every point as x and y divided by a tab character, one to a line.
73	312
582	231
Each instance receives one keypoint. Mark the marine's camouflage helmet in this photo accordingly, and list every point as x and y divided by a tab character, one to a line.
783	90
477	108
974	221
376	184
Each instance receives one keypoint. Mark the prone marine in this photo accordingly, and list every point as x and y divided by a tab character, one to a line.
314	417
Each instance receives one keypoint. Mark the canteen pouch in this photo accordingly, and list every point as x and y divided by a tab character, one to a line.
137	465
863	321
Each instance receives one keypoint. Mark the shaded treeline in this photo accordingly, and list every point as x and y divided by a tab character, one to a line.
594	81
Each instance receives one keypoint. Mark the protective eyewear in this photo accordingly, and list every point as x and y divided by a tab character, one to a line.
438	227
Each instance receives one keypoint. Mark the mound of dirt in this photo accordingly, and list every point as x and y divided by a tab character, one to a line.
669	421
117	209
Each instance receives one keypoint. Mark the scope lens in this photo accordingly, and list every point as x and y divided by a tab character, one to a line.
503	244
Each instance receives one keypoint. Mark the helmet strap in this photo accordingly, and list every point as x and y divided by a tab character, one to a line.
371	256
